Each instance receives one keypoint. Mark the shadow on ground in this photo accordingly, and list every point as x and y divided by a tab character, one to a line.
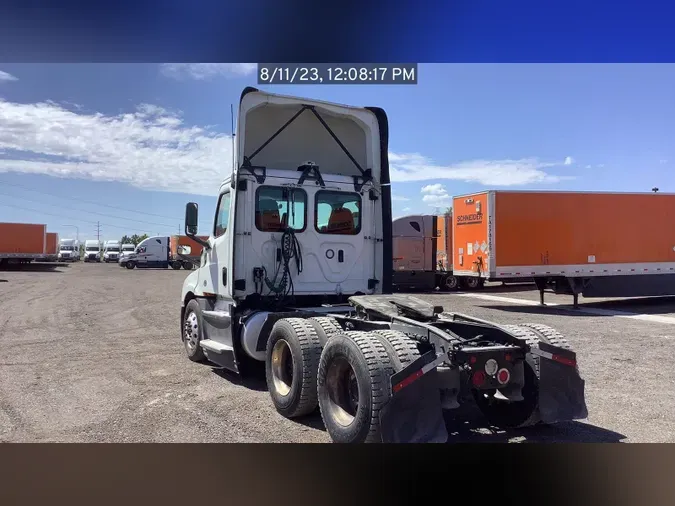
464	425
46	267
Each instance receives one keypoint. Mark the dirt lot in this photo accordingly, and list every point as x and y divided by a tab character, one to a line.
92	352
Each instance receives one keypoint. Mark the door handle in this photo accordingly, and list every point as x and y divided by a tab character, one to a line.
224	276
341	256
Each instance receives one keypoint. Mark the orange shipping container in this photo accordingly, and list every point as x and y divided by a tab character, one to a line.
507	234
52	247
22	238
183	240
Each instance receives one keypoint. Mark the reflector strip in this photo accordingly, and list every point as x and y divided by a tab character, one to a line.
419	373
556	358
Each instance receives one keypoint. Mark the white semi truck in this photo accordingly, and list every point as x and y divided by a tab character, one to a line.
111	251
69	250
92	251
126	250
297	274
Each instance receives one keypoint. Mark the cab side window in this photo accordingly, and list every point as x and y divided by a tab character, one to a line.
222	215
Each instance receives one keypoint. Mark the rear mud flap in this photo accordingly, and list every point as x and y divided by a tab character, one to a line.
414	413
561	388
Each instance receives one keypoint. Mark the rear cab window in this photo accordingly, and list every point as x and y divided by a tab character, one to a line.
277	208
337	212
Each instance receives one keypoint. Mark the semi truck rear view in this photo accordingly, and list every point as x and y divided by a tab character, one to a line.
22	243
297	274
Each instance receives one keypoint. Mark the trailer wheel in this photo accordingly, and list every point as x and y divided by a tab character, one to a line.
188	266
523	413
291	366
130	265
325	327
353	386
192	331
471	282
175	265
402	350
548	335
451	283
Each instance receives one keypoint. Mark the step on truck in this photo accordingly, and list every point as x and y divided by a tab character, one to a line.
294	276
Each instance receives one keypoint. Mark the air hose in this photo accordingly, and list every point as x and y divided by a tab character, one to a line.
290	249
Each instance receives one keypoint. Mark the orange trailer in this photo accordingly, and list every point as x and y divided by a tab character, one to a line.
590	243
22	242
52	247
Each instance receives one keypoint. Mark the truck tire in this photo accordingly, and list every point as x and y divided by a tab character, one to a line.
325	327
548	335
451	283
191	333
130	265
291	366
353	386
402	350
522	413
471	282
175	265
188	266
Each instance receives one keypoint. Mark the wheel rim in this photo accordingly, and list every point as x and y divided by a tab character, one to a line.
472	282
282	367
451	282
343	392
191	331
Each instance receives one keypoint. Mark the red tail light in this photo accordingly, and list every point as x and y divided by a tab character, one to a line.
478	378
503	376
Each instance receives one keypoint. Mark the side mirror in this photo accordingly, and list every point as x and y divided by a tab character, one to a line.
191	218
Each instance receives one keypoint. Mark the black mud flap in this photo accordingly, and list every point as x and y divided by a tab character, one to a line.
561	388
414	413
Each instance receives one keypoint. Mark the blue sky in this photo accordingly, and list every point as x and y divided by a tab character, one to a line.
127	145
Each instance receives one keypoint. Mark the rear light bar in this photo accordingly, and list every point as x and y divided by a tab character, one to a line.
555	357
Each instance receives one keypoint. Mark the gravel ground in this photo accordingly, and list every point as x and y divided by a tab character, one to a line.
91	353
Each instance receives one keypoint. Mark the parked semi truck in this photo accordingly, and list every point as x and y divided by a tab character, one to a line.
69	250
590	243
297	274
127	249
92	251
111	251
161	252
22	243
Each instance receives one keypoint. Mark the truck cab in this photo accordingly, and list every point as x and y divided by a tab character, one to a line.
69	250
304	220
127	249
152	252
111	251
92	251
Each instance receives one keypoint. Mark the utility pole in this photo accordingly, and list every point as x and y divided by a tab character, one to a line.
179	228
98	231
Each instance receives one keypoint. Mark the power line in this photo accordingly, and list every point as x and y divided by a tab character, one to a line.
86	201
72	219
86	211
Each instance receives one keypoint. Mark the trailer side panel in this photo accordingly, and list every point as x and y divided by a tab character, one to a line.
470	237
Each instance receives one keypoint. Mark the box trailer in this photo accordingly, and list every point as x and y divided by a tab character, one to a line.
52	247
590	243
22	242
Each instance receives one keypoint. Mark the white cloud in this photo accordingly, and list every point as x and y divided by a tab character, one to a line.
203	71
588	166
405	209
569	160
149	148
415	167
601	165
4	76
153	148
399	198
434	189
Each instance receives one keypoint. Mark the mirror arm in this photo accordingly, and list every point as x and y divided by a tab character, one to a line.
198	240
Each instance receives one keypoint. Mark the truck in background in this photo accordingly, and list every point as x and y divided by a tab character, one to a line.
422	245
595	244
69	250
22	243
160	252
92	251
127	249
111	251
